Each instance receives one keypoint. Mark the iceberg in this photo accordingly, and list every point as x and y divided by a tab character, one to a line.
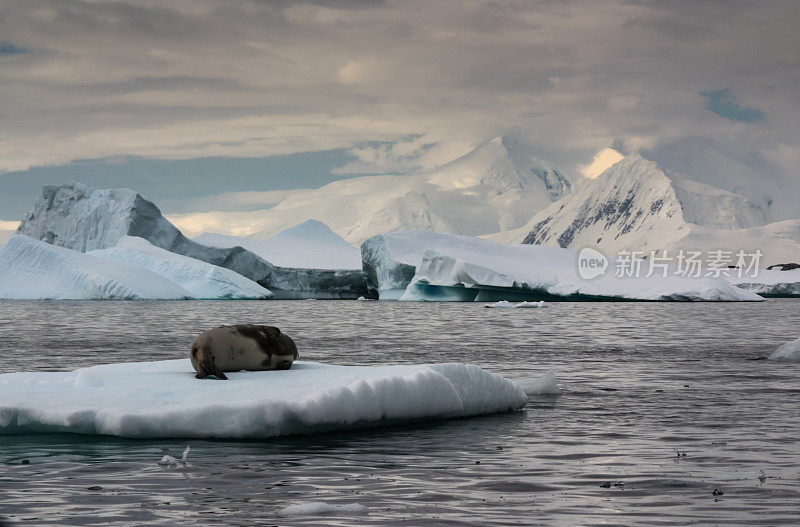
428	266
788	352
82	218
767	282
163	399
309	245
201	279
34	270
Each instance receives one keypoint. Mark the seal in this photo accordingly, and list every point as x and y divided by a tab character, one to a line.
241	347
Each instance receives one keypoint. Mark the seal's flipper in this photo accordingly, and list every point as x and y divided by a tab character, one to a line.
207	367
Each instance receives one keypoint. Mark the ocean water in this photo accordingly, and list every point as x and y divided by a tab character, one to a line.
662	404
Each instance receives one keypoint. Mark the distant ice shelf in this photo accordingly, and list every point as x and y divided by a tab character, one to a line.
163	399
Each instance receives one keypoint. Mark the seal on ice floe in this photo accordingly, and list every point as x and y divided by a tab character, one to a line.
241	347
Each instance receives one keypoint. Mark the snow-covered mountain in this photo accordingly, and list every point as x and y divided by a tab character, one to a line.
495	187
634	205
311	244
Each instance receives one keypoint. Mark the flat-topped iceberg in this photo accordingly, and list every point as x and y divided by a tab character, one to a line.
423	265
309	245
163	399
35	270
201	279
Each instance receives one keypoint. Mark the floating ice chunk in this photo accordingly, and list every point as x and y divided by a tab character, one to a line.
203	280
501	303
319	508
31	269
163	399
361	299
169	461
540	303
506	303
547	384
787	352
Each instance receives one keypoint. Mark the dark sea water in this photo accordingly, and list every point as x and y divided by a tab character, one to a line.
641	382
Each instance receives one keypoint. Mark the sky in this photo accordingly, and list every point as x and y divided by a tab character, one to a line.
186	99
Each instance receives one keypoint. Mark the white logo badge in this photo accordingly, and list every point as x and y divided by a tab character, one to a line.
591	263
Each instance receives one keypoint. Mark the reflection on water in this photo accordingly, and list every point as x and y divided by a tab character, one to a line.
644	383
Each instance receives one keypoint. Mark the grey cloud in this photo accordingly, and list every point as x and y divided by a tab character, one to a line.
205	78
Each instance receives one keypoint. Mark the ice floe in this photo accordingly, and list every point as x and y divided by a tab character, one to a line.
163	399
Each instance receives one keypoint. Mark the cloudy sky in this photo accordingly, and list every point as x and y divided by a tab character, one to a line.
193	98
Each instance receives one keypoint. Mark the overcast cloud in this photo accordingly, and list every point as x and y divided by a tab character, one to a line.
198	78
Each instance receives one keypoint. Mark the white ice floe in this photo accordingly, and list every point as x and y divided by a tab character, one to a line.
547	384
320	508
310	245
787	352
201	279
423	265
163	399
31	269
169	461
507	304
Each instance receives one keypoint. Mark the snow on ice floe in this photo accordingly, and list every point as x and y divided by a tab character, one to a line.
320	508
163	399
310	245
424	265
201	279
35	270
787	352
507	304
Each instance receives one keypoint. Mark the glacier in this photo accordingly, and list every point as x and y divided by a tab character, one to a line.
163	399
203	280
309	245
405	266
789	352
82	218
34	270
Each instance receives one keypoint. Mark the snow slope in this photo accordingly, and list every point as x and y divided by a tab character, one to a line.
202	280
423	265
82	218
497	186
311	245
163	399
31	269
